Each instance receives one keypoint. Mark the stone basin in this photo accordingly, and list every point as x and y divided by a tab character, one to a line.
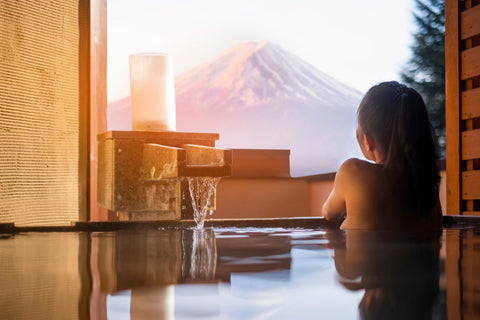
141	174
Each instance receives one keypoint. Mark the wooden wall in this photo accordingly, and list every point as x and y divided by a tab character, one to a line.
52	105
243	198
41	55
462	46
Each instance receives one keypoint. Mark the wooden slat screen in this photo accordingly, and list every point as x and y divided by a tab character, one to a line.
470	63
471	185
470	100
470	23
41	111
463	106
470	143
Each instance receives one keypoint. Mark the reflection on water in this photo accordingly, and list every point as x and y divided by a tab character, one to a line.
399	274
201	263
43	276
239	274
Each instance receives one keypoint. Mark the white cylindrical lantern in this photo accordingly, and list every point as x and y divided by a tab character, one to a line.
152	92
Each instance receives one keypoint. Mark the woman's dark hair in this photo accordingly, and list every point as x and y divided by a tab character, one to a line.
396	117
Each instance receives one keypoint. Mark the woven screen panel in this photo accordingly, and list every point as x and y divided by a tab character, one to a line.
39	112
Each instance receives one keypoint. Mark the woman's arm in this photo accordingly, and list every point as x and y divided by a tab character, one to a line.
335	206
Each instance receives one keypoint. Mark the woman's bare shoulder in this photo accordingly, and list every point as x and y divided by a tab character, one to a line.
355	166
357	173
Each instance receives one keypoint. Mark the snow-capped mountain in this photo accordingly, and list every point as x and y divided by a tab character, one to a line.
257	95
253	74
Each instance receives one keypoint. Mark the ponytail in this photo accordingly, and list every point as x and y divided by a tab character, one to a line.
396	117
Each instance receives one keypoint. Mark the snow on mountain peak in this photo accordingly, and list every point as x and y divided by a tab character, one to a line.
256	73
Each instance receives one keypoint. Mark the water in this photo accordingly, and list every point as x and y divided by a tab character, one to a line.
201	191
200	264
239	274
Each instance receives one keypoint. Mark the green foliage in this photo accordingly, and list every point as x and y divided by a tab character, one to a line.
425	71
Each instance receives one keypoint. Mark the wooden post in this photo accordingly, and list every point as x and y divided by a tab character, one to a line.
452	107
98	98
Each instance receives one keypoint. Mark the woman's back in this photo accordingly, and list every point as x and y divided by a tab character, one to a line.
374	201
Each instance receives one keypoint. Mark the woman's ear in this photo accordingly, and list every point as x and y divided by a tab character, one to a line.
369	142
372	151
369	147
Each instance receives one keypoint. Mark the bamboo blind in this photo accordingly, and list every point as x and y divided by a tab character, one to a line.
463	106
40	111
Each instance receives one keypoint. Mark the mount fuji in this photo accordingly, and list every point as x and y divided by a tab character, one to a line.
257	95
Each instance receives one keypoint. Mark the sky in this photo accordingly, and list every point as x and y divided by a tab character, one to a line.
359	43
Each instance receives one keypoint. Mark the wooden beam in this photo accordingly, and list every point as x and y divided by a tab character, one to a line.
84	112
471	213
452	110
98	96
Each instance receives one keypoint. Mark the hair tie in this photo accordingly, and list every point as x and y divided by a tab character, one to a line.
401	92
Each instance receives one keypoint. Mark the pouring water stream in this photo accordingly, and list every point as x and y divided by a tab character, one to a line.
201	191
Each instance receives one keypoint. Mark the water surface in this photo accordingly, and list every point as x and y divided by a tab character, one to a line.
239	274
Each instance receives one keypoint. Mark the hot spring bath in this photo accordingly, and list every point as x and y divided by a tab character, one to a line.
235	273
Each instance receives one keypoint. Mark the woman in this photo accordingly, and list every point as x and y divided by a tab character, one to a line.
399	188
